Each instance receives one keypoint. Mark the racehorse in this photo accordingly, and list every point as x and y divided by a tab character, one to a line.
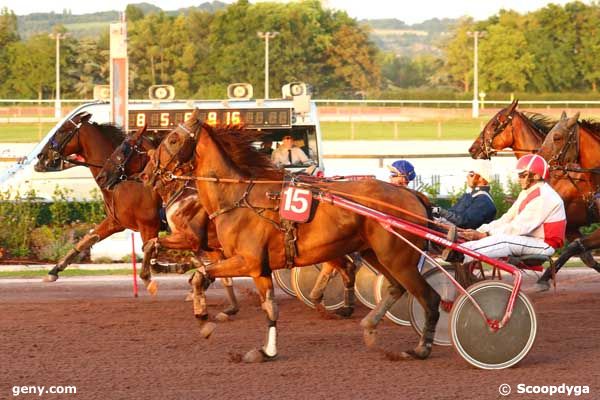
191	229
236	185
131	206
572	149
524	133
186	218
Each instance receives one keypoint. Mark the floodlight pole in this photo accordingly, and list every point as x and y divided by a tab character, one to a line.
476	35
57	107
267	36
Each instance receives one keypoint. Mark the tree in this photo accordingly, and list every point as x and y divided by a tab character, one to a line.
32	67
459	55
8	36
505	63
552	37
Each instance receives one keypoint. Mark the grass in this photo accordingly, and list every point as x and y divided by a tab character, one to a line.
23	133
454	129
457	129
39	273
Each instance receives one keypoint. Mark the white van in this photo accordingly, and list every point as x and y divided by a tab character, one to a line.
277	118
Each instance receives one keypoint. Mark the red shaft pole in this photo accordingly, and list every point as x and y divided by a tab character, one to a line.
135	286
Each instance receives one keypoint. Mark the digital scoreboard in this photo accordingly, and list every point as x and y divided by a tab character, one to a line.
252	118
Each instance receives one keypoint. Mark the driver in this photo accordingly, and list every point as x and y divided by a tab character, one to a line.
534	225
288	154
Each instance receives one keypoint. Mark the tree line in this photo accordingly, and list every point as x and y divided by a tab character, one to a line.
552	49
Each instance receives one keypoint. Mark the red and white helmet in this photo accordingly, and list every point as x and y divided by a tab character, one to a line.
533	163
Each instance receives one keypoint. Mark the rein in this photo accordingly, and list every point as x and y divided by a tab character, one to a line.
310	185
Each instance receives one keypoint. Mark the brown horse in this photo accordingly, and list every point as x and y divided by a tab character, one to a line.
131	206
524	133
233	179
572	149
192	230
187	220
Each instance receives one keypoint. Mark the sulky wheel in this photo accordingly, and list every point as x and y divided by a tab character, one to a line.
364	284
283	277
303	281
447	291
398	313
473	339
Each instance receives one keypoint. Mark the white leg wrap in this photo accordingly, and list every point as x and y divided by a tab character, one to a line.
270	348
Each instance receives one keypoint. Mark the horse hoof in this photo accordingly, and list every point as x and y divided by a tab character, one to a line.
345	312
207	329
50	278
152	288
370	337
419	353
257	356
189	297
542	286
222	317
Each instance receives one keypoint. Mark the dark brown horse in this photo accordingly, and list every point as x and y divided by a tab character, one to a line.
132	205
572	149
524	133
233	179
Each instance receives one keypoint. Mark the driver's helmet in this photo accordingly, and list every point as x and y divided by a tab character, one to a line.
533	163
403	167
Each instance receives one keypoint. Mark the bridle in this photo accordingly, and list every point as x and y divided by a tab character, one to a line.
128	151
488	150
57	147
162	172
558	160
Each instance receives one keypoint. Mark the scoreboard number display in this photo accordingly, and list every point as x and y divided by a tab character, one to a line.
248	117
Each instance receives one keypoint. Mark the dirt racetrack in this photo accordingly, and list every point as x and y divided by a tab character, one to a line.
91	333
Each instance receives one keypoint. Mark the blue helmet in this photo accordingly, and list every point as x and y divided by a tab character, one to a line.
405	168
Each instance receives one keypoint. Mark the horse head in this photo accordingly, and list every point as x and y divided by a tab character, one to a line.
561	144
65	142
496	134
175	151
129	158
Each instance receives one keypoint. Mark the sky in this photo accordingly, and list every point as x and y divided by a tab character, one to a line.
408	11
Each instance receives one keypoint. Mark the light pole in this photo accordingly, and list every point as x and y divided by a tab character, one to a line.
57	36
476	35
267	36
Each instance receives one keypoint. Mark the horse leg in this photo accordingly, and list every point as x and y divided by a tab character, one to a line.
588	259
233	307
371	320
149	232
199	285
316	294
268	352
106	228
429	299
347	270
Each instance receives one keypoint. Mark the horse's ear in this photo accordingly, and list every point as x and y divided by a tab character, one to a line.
572	121
512	107
191	121
86	117
140	132
563	116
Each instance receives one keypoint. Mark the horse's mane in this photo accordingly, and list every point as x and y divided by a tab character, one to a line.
114	133
543	123
591	126
236	143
